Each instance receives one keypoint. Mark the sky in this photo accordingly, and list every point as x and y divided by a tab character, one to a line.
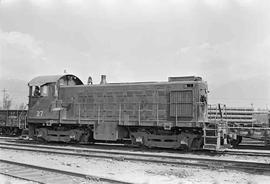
226	42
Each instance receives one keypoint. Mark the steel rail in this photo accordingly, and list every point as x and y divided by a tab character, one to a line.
242	152
63	172
245	153
247	166
21	178
97	150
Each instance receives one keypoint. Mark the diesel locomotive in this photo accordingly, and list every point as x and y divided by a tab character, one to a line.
166	114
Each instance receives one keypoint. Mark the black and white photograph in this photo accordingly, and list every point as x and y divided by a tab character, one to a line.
134	91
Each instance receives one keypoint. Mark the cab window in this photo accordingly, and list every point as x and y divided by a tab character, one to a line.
55	90
36	91
44	90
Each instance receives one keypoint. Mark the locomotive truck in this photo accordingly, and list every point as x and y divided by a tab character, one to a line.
169	114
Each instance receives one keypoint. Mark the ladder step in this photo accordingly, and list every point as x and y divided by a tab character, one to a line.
206	136
210	145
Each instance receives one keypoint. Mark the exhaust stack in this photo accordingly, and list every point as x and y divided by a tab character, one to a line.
103	79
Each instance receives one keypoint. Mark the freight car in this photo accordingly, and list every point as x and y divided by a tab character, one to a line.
243	123
12	122
167	114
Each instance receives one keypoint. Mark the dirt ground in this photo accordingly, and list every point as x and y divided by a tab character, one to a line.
137	172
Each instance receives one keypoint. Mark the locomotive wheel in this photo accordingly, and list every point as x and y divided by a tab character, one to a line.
7	131
40	139
133	140
184	147
196	143
236	141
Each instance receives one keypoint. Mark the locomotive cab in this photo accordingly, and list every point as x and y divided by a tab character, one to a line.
43	99
42	91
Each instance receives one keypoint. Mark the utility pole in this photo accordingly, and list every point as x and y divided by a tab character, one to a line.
4	98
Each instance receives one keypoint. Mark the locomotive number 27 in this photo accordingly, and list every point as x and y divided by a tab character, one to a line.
39	113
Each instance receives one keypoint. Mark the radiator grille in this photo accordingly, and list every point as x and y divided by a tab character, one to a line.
181	103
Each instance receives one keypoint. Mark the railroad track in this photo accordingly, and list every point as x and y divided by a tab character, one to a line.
242	152
100	148
45	175
246	166
246	153
253	146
